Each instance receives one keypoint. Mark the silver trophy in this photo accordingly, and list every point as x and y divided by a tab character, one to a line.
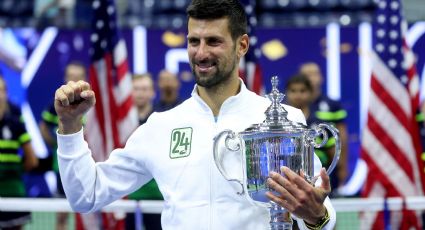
268	146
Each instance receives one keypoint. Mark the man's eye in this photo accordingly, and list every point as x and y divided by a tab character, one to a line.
193	41
213	41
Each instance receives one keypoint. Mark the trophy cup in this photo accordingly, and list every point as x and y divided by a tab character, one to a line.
268	146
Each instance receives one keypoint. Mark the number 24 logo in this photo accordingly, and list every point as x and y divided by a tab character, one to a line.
181	142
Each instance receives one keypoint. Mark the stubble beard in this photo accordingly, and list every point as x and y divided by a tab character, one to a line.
218	78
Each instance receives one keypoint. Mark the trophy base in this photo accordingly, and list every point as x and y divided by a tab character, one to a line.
281	226
280	218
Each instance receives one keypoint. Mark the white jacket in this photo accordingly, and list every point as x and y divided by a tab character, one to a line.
175	148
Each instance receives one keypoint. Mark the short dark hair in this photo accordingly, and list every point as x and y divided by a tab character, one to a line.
299	78
215	9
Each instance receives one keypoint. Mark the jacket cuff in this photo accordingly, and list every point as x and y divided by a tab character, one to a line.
70	144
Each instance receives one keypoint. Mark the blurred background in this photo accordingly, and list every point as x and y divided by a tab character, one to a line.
39	38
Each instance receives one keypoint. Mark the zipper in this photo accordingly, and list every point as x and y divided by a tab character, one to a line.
211	167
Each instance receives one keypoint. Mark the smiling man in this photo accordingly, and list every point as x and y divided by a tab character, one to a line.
175	147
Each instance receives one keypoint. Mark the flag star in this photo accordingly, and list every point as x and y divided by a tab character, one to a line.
94	37
96	4
382	4
404	79
381	19
380	47
395	5
393	34
380	33
393	49
253	40
394	20
404	65
100	24
103	44
253	21
111	10
248	9
392	63
257	52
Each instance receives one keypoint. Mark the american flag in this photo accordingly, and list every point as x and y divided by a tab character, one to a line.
390	141
250	69
114	117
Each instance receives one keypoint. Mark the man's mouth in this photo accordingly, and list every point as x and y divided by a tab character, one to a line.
205	67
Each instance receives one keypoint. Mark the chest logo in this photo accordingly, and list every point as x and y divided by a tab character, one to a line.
181	142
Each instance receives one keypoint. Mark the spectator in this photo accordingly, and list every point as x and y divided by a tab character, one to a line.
324	109
13	137
74	71
55	12
298	91
169	87
143	95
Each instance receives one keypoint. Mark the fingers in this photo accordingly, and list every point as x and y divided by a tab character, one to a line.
74	92
299	181
326	184
282	186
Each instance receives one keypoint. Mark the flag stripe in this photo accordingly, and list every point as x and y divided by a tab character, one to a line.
120	53
122	70
112	122
392	126
388	103
391	84
386	140
388	166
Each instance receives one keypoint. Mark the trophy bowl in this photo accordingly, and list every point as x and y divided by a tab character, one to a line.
268	146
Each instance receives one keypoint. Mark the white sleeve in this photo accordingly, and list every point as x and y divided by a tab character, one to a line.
332	214
295	115
88	185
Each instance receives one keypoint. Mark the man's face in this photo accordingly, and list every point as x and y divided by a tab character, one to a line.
75	73
298	95
143	92
312	72
212	52
168	83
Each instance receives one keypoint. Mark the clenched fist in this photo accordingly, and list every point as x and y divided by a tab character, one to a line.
72	101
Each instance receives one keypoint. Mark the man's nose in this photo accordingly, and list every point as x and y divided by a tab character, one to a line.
202	51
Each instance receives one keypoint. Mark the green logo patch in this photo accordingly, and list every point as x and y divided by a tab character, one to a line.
181	142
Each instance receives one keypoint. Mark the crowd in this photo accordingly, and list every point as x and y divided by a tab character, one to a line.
303	91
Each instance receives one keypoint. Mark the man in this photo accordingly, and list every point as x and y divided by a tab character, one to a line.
13	138
175	147
298	92
143	94
74	71
169	86
324	109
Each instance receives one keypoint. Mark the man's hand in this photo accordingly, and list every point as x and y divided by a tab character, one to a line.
298	196
72	101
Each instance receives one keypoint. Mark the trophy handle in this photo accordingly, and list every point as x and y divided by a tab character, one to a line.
229	135
321	130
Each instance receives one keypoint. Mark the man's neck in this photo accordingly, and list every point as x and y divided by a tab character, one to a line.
144	111
214	97
169	99
316	95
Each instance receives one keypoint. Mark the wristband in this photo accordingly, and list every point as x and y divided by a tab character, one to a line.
322	222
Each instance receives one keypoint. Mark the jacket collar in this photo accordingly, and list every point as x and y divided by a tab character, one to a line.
231	104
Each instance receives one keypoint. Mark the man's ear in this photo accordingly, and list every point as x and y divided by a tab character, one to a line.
243	45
